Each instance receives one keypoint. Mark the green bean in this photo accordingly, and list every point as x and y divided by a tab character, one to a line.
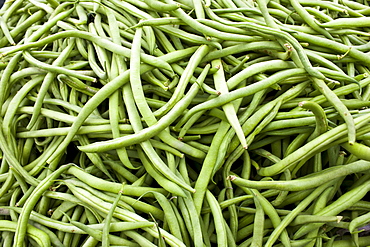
288	47
96	234
272	214
108	219
36	234
7	74
341	108
258	226
47	80
208	166
320	117
146	146
13	161
242	92
31	201
145	129
56	16
101	54
107	90
283	194
136	85
284	36
317	143
177	32
211	32
188	129
257	68
67	227
142	241
170	215
217	215
53	238
349	242
93	38
184	233
93	63
76	213
63	207
6	32
302	12
304	182
357	222
224	28
359	150
338	47
158	22
95	158
55	69
336	207
120	213
168	148
263	123
158	126
347	22
265	114
166	183
230	112
10	9
98	183
185	78
232	209
10	179
188	206
159	6
117	65
23	25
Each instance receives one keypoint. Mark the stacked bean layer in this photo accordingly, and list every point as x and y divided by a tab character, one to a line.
189	123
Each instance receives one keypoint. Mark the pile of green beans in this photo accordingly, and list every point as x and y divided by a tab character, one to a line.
184	123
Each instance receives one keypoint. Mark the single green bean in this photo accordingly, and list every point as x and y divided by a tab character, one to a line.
358	149
347	22
217	215
258	226
102	184
187	206
108	219
311	181
320	117
205	174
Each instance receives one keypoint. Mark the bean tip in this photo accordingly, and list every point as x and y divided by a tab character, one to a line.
339	218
